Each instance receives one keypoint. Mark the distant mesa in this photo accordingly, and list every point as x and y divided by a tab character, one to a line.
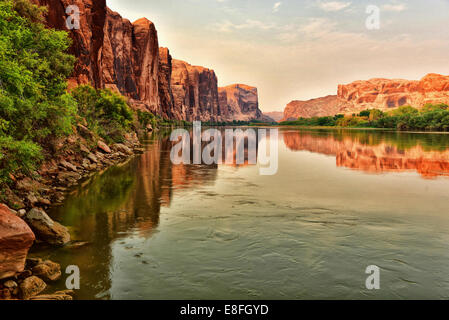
383	94
239	102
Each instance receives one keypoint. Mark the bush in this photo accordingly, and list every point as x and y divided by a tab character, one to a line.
34	105
106	112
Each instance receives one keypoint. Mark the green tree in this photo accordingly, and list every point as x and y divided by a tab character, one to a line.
34	105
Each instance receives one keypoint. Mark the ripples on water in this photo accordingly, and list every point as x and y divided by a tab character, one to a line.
342	200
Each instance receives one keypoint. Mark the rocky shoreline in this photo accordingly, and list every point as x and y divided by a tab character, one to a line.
24	222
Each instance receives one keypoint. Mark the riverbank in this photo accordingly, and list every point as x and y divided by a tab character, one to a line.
23	218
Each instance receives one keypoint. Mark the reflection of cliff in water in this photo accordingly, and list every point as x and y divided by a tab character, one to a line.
377	152
125	198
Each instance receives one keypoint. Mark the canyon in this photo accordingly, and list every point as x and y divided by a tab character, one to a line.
378	93
125	56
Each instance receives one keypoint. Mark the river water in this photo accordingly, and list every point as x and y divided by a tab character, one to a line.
342	200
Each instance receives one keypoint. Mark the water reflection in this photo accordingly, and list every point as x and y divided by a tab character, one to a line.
119	213
378	152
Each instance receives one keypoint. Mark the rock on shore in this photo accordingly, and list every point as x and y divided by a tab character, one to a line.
16	239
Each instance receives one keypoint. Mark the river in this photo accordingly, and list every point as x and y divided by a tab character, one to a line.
341	200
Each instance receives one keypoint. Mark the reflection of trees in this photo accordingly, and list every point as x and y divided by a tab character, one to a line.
377	151
122	199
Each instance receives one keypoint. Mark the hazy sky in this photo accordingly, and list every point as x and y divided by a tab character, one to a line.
300	49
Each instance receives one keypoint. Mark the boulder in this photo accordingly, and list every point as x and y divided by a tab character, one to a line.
84	149
10	284
92	158
46	229
47	270
84	132
103	147
68	166
59	295
31	287
122	148
16	239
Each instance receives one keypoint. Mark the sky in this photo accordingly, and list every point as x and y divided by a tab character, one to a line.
300	49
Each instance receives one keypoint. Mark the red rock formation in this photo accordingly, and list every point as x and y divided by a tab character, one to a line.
320	107
114	53
165	90
239	102
87	40
111	51
16	239
195	92
383	94
129	60
387	94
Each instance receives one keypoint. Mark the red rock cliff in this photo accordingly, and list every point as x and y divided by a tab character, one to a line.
383	94
320	107
87	40
111	51
195	92
239	102
114	53
387	94
165	90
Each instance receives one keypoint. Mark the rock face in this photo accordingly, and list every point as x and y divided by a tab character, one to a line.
129	60
165	88
111	51
114	53
388	94
195	92
383	94
16	239
87	39
320	107
239	102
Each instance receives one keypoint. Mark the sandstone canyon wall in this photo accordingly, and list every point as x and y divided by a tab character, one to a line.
114	53
383	94
239	102
195	92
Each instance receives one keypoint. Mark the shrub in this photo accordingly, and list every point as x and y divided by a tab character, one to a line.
34	105
106	112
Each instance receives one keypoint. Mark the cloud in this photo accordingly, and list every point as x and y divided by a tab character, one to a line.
228	26
394	7
317	27
276	6
333	5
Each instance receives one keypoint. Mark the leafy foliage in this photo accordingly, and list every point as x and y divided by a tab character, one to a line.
34	105
107	113
430	117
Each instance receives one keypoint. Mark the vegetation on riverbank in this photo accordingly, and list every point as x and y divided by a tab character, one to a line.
430	118
36	109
